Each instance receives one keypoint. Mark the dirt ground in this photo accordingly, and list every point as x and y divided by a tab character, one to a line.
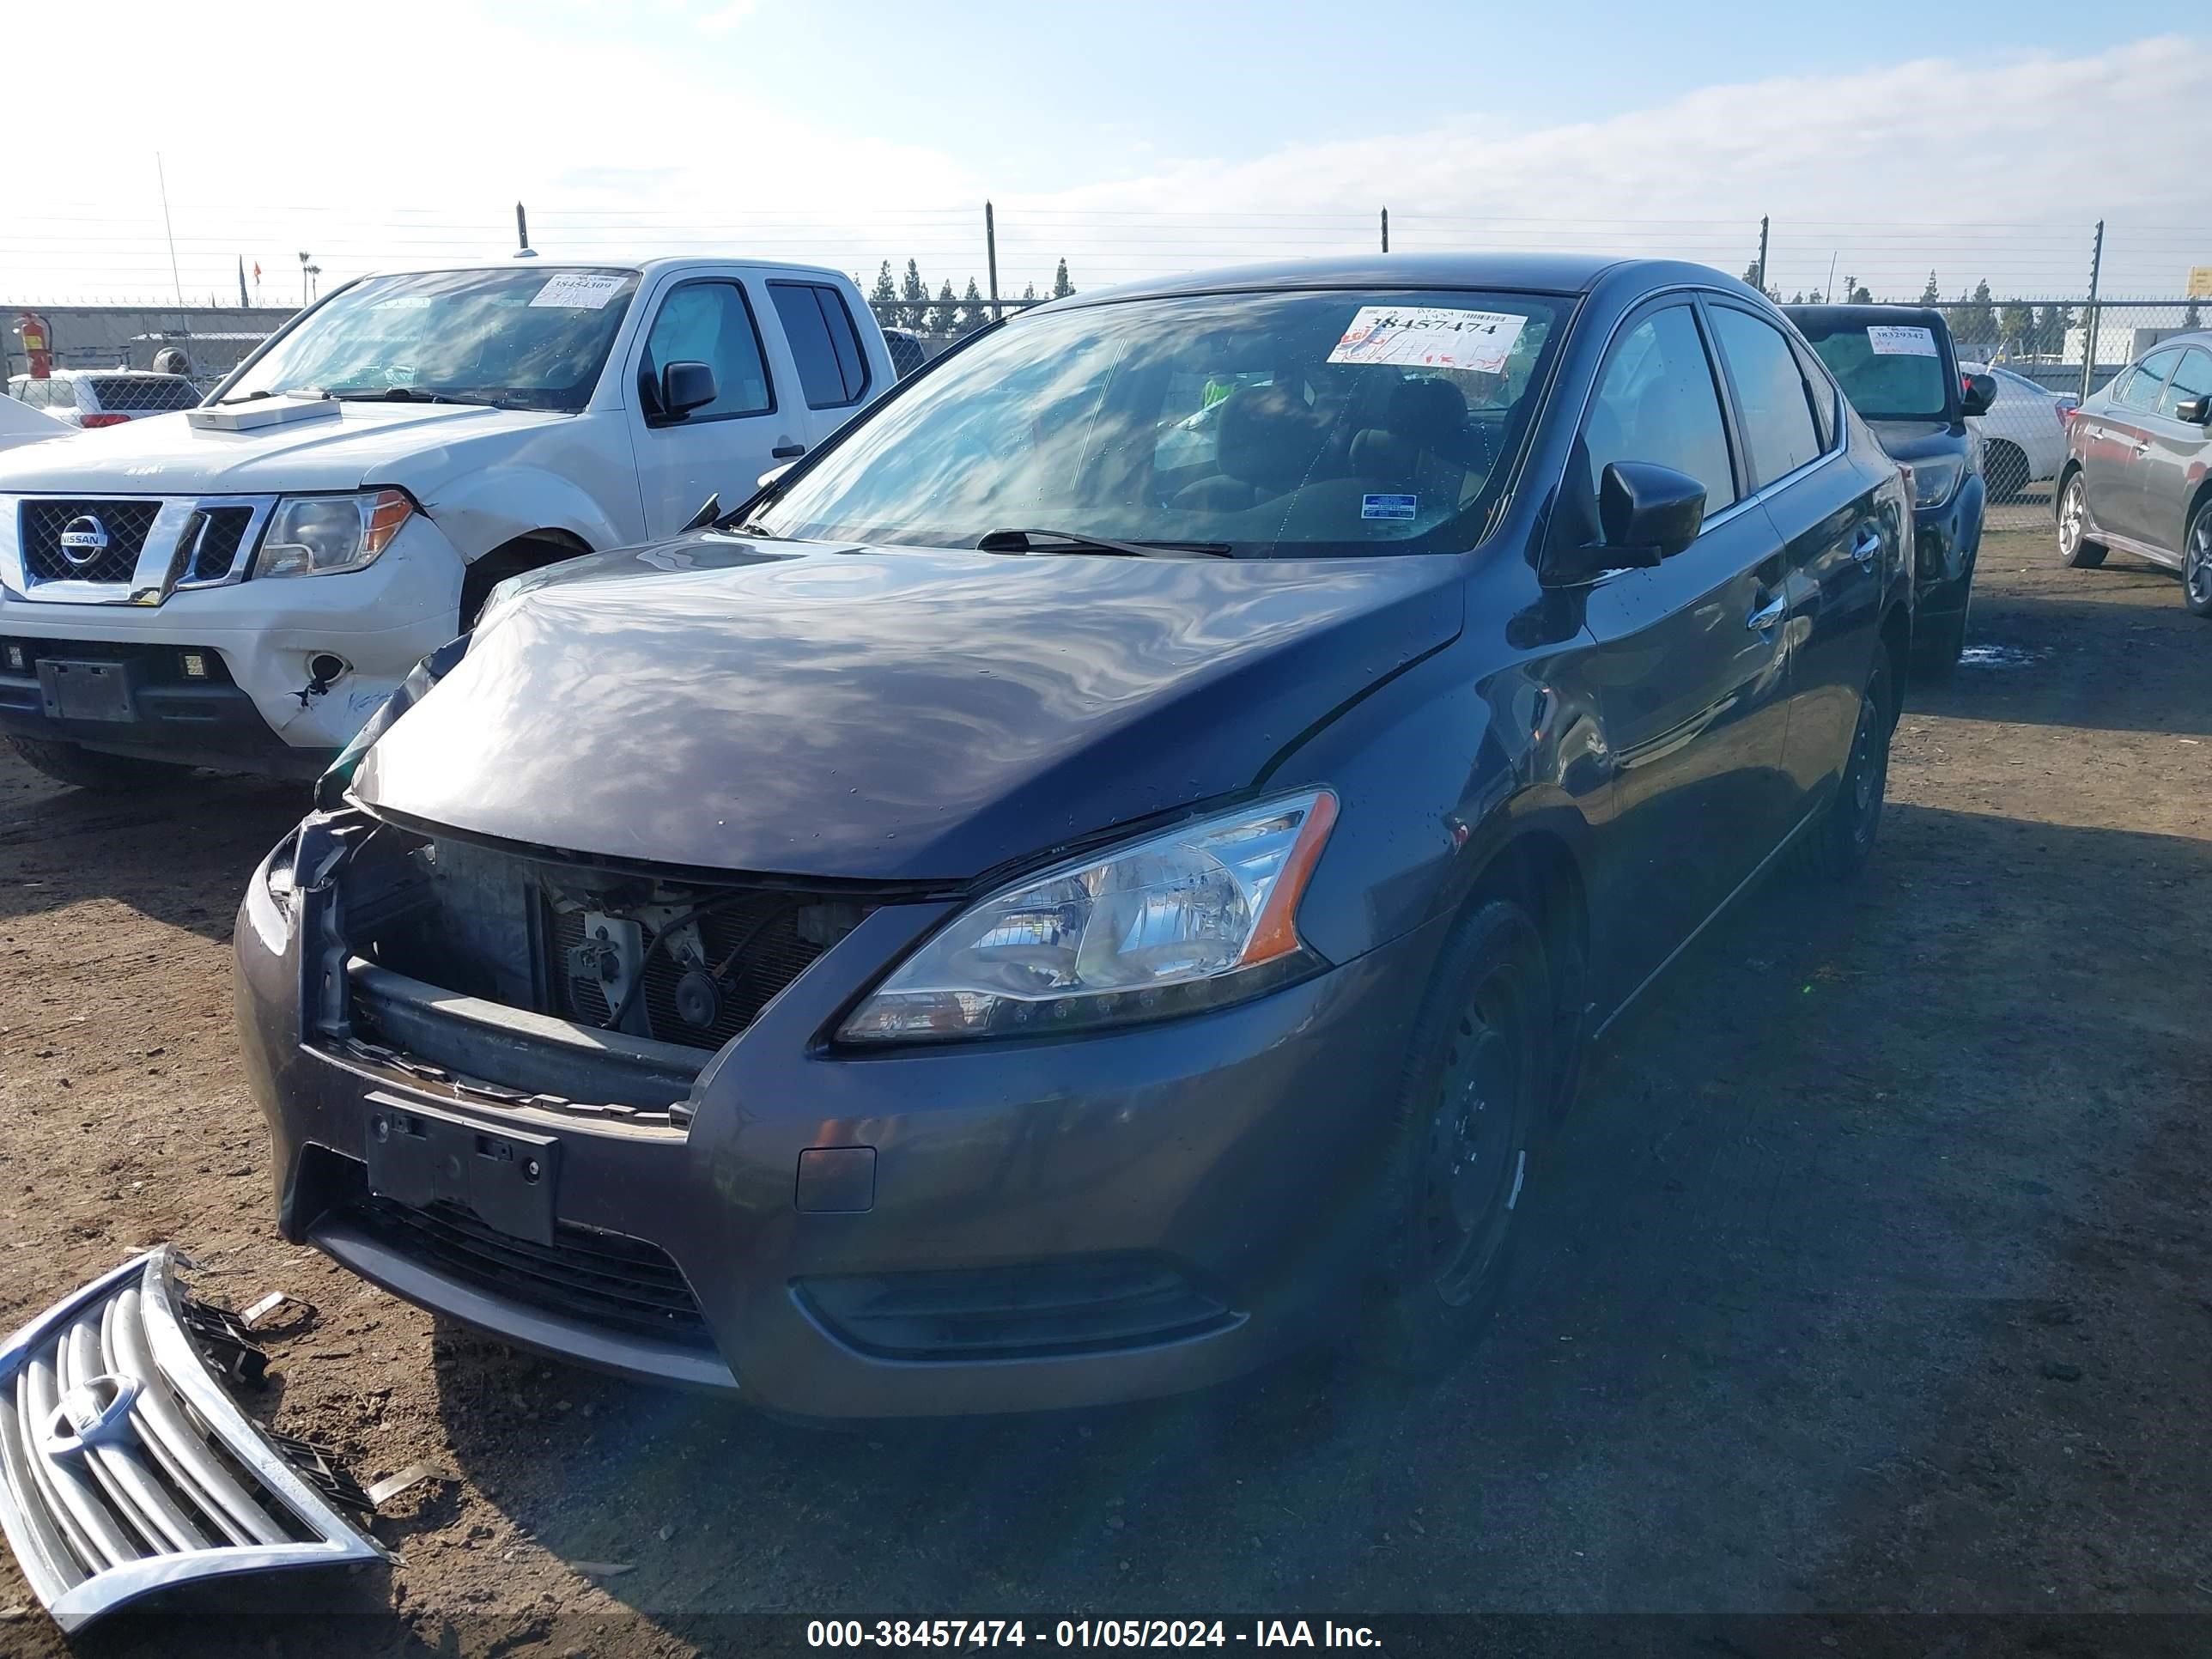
1871	1273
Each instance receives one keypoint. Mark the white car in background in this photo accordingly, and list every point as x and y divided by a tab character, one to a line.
22	424
2023	434
104	397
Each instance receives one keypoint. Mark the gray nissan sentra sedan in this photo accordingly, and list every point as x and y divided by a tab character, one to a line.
1100	876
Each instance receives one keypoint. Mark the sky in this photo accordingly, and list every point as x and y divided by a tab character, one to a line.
1883	141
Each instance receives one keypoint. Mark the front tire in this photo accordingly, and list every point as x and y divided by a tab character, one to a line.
88	769
1840	844
2075	546
1478	1076
2197	563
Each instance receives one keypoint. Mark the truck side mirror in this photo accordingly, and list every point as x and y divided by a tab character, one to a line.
1976	392
685	387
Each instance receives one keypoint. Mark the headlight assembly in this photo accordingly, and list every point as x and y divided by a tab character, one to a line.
1201	916
1934	478
323	535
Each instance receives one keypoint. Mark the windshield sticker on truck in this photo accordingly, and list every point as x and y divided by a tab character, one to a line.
1429	336
1890	340
579	291
1389	506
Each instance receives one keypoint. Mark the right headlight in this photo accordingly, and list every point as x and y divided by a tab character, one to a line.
324	535
1201	916
1934	478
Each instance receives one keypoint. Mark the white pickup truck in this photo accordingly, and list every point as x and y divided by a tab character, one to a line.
242	585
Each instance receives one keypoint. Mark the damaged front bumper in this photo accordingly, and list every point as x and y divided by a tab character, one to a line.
124	1466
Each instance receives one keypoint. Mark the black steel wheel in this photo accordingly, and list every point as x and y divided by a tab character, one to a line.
2005	470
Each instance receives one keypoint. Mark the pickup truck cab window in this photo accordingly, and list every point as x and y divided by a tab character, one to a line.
710	323
832	372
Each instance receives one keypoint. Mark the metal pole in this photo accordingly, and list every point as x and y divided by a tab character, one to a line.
2089	315
161	177
991	256
1386	230
1762	254
521	228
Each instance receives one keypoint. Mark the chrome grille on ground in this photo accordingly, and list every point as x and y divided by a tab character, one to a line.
103	547
124	1468
606	1280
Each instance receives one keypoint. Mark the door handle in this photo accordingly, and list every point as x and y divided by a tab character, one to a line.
788	452
1866	544
1767	615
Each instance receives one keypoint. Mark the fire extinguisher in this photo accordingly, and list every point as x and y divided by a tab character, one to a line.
38	344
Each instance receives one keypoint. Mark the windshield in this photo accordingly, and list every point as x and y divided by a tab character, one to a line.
1269	424
1890	373
525	338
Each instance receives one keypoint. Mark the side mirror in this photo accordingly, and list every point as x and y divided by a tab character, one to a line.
684	387
1977	394
772	474
1648	511
2197	412
709	510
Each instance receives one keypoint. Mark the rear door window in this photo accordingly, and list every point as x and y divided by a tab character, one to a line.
1772	397
832	370
2146	380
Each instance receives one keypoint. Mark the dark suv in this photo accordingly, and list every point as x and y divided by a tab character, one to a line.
1896	366
1100	875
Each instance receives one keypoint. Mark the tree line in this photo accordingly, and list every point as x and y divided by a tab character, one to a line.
905	302
1979	321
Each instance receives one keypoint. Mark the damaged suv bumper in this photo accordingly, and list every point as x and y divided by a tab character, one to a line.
125	1468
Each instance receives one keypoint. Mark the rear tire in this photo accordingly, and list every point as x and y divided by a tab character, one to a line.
2005	470
2197	563
88	769
1840	845
1477	1079
2075	545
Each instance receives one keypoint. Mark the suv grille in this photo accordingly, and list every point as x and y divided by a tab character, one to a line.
607	1278
126	525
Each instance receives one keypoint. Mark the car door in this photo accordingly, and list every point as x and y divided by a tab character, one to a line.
1823	510
1686	664
835	378
2177	451
723	447
2117	437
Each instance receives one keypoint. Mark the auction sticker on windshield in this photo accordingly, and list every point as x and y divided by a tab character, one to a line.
1891	340
579	291
1429	336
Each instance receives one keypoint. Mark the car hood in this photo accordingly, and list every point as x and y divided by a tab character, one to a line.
890	715
1906	441
364	443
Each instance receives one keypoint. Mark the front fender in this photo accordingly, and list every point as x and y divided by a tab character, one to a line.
482	510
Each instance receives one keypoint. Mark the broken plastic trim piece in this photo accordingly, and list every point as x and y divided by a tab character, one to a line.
125	1468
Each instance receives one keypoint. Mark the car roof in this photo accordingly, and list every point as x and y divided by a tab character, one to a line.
1541	273
1865	316
646	264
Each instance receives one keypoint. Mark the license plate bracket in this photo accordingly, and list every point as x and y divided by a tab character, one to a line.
506	1178
86	690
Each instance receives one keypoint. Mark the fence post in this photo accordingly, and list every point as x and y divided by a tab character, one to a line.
1386	230
991	256
1761	283
2089	319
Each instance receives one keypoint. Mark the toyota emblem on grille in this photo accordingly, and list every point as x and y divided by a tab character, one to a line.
84	538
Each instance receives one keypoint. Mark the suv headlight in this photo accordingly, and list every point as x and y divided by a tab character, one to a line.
1201	916
1934	478
323	535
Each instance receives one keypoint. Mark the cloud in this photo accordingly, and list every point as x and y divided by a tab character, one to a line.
727	17
1989	168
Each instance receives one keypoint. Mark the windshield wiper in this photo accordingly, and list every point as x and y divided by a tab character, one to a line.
1071	541
406	394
